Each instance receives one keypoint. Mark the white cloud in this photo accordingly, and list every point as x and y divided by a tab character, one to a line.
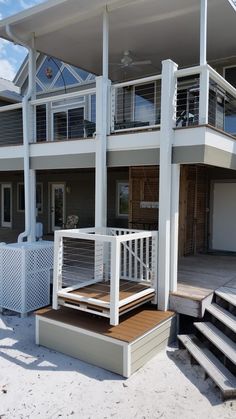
7	70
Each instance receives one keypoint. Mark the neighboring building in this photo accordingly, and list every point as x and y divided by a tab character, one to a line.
148	145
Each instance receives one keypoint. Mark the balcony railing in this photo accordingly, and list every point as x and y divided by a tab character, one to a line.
205	97
64	117
136	105
11	125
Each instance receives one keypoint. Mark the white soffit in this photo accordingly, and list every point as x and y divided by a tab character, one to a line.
71	30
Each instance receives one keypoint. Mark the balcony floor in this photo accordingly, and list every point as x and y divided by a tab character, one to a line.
198	277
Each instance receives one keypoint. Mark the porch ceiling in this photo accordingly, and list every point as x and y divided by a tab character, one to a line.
71	30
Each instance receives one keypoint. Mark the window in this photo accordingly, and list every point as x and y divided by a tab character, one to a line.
230	109
122	199
69	124
21	197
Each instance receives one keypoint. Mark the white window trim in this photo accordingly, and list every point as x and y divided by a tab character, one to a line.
3	223
118	183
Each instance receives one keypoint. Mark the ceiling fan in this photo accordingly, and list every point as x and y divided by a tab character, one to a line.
128	61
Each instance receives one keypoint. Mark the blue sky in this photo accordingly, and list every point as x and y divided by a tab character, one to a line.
11	56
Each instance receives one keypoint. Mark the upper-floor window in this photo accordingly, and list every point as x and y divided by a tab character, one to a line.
230	113
53	74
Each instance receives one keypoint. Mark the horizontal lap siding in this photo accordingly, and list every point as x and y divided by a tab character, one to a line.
147	347
86	348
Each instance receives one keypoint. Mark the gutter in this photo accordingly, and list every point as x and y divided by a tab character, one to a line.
27	185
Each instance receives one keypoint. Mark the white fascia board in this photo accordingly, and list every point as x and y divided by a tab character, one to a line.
136	141
189	136
220	140
63	148
12	152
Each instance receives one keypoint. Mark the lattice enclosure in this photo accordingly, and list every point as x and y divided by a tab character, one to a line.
25	275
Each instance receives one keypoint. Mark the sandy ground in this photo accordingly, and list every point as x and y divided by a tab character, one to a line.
37	382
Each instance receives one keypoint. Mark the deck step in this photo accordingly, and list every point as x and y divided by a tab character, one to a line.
219	339
227	294
221	376
224	316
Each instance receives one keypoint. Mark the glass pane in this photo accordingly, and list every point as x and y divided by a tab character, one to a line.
7	205
76	123
39	198
60	126
144	104
48	71
123	199
58	207
41	123
65	79
82	74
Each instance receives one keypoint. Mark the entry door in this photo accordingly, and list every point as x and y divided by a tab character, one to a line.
223	216
57	206
6	218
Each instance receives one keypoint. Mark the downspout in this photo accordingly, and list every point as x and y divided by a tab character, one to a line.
25	114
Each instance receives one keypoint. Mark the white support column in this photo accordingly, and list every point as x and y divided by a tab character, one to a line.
32	122
115	282
203	32
102	116
204	96
174	226
168	98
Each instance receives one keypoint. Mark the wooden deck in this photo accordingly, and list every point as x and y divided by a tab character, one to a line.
198	277
101	291
123	349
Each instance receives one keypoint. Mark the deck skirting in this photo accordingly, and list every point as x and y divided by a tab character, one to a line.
121	355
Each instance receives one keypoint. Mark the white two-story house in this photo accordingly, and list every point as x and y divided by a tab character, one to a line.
135	133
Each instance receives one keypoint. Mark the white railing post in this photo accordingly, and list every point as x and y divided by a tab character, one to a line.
115	282
174	226
204	96
57	268
168	99
155	263
203	32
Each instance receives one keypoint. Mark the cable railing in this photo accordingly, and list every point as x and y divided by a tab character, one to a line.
222	103
104	271
136	105
64	117
11	125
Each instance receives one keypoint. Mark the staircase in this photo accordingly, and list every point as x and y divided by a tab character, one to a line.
213	344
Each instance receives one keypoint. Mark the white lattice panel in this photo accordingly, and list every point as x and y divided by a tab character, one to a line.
25	275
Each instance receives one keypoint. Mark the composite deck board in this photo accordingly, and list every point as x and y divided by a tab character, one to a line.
219	339
224	316
101	290
223	378
132	325
228	294
200	275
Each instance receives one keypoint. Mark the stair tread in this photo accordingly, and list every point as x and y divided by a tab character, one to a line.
219	339
228	294
223	315
222	377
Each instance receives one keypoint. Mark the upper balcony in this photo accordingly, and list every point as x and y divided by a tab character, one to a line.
203	98
95	36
